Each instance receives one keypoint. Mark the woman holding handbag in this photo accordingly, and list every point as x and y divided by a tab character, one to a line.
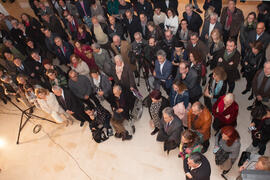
227	148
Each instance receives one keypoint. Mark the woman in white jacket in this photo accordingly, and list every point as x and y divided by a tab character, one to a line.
50	105
171	21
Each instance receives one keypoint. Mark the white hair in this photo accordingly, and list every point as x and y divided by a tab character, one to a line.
119	57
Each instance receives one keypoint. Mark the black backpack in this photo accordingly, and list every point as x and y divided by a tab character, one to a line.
99	135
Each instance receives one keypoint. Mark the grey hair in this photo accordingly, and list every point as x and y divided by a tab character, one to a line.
138	34
116	36
118	87
96	45
189	5
230	96
119	57
169	111
56	88
267	62
196	157
214	15
161	53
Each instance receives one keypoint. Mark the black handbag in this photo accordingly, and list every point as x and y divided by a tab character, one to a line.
221	156
244	156
99	135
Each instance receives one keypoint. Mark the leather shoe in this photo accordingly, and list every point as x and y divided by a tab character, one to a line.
117	135
126	136
249	108
250	97
245	91
82	123
155	131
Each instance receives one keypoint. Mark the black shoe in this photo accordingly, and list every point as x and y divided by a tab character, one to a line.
249	108
245	91
226	172
82	123
133	129
31	110
155	131
5	101
204	81
198	10
117	135
223	175
250	97
126	136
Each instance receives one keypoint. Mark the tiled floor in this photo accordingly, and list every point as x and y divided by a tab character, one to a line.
58	153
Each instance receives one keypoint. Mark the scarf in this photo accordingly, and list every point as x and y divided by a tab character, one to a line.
227	56
229	19
119	70
221	105
75	65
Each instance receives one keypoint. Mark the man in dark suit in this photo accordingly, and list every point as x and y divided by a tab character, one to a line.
83	7
166	4
143	6
25	67
162	72
132	24
208	27
194	19
259	35
189	77
70	103
197	167
170	129
63	50
72	25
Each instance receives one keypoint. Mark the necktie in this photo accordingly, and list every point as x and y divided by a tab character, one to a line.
167	127
63	102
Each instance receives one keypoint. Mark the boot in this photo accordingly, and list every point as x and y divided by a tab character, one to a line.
117	135
82	123
126	136
250	97
245	91
155	131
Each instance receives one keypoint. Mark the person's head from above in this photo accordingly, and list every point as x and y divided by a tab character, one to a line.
7	43
58	41
141	1
122	2
6	78
25	17
95	74
77	44
256	47
260	28
179	46
213	18
30	43
216	35
263	8
118	60
151	26
89	110
228	99
263	164
231	45
95	47
47	32
112	20
70	18
51	73
157	10
57	90
189	138
28	88
143	18
152	42
8	55
45	17
35	55
81	28
168	35
197	108
21	79
41	93
189	9
74	59
195	57
21	26
117	90
128	14
251	18
155	95
179	86
73	75
61	3
266	68
95	20
184	24
229	134
14	23
36	3
168	114
17	61
161	56
138	37
194	160
219	74
47	64
42	6
116	40
170	13
231	5
194	38
184	67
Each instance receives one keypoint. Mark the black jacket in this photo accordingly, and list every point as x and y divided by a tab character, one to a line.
195	22
264	38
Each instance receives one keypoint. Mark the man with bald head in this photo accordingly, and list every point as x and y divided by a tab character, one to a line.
200	119
259	34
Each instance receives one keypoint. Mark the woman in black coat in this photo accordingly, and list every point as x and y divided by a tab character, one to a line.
253	61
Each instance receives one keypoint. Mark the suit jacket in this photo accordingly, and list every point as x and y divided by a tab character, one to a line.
166	70
145	8
105	85
202	124
174	130
195	21
205	29
64	57
29	68
237	20
55	26
264	38
127	79
132	27
257	83
200	47
87	5
173	4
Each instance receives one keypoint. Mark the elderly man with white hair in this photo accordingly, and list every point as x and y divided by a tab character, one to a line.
225	112
208	27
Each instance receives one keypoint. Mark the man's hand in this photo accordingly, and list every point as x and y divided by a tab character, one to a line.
154	73
100	93
132	88
37	68
231	63
32	74
119	110
220	59
69	112
252	125
86	97
189	175
228	116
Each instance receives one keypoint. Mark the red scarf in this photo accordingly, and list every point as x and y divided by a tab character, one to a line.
229	20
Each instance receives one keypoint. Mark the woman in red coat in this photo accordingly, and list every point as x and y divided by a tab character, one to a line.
225	112
85	53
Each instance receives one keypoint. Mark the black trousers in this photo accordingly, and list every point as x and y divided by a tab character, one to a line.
249	77
194	98
208	103
89	102
168	144
231	85
261	143
205	145
81	116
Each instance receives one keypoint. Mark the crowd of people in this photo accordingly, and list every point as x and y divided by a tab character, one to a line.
74	56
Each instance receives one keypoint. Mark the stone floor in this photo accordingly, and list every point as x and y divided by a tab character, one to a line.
69	153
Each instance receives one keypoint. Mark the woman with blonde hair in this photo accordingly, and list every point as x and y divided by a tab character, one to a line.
49	104
79	66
